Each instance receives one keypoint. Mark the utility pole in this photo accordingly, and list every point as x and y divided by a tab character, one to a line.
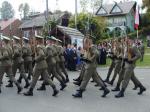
76	13
46	16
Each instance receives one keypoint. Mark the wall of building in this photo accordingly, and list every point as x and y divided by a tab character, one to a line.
13	29
116	21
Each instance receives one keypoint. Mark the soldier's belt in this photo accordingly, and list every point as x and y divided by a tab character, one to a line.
127	61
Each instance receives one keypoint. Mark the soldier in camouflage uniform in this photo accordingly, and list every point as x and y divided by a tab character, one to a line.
6	63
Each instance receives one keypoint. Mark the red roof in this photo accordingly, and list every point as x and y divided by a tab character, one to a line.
6	23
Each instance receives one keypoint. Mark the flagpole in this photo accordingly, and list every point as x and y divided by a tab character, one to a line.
137	33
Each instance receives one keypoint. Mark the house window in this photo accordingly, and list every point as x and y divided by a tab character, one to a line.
38	32
116	9
26	34
102	11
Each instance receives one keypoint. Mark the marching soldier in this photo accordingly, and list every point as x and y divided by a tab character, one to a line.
112	66
118	59
6	63
18	62
40	68
27	56
50	58
57	58
90	69
131	55
62	60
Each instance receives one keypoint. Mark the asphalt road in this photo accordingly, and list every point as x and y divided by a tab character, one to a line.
91	101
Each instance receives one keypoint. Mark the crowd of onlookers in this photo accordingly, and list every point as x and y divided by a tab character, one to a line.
72	56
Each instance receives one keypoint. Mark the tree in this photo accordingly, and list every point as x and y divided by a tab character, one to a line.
146	4
7	10
24	10
87	24
49	26
84	5
95	4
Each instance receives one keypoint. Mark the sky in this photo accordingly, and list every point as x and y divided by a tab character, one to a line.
40	5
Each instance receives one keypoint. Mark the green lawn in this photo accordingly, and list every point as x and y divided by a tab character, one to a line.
145	63
147	50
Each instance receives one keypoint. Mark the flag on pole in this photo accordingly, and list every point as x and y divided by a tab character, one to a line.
136	25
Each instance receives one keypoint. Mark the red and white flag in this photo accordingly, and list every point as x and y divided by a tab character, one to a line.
136	24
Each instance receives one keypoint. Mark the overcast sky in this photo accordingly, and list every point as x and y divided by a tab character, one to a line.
39	5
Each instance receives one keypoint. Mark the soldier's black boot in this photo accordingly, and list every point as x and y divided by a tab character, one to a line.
135	87
96	85
0	90
55	91
106	80
67	80
10	84
52	78
101	88
29	77
117	88
42	88
77	83
18	87
27	84
92	81
106	91
78	94
77	79
142	89
19	80
111	82
120	94
63	85
29	92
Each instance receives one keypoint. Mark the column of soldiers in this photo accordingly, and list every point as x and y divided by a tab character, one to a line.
124	55
49	64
